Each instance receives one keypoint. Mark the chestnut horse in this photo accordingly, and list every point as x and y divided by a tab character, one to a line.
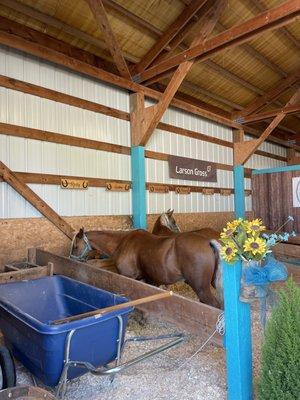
139	254
166	225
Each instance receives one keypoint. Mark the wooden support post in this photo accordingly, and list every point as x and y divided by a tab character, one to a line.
137	111
28	194
237	315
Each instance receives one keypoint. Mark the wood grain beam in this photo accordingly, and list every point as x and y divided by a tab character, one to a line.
274	18
269	114
144	25
170	33
16	183
40	45
243	150
59	138
152	115
260	7
270	96
53	22
99	13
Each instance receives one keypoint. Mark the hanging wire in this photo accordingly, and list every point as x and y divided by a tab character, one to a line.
219	328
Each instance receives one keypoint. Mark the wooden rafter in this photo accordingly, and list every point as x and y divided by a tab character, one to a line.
152	115
150	29
15	182
259	6
170	33
47	48
271	95
242	33
269	114
243	150
100	16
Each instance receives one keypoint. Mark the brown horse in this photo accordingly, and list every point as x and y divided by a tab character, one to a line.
166	225
139	254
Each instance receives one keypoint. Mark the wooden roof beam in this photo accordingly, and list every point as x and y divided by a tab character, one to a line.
153	114
242	33
269	114
268	97
284	31
45	47
99	13
243	150
170	33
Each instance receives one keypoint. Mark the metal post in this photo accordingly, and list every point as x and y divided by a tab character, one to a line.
237	315
138	187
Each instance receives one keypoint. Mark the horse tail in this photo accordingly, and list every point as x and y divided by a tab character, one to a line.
217	278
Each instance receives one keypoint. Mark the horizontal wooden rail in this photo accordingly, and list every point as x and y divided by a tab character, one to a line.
53	95
59	138
52	179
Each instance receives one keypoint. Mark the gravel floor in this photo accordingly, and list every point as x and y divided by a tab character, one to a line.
161	378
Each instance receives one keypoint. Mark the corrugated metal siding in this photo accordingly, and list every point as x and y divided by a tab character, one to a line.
34	156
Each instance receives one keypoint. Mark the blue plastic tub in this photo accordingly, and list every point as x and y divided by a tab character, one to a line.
27	309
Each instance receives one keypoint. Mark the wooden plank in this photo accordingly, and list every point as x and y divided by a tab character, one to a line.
278	16
12	179
52	137
152	115
53	22
24	274
272	94
289	250
187	314
170	33
242	151
100	16
269	114
52	179
40	45
45	93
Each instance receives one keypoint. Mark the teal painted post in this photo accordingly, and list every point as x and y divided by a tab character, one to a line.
138	187
237	315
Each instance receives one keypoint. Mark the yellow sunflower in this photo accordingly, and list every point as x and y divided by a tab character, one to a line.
235	223
229	252
227	232
255	245
254	226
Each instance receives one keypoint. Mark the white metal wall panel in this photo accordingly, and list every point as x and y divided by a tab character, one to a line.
35	156
157	171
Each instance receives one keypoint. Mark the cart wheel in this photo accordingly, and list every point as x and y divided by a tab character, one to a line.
8	369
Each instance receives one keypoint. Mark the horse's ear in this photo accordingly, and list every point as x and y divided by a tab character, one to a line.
80	233
170	212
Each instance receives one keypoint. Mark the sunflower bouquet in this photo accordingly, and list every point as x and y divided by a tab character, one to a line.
245	240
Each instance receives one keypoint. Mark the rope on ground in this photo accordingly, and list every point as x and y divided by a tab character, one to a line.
220	328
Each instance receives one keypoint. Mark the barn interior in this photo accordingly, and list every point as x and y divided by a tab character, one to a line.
114	111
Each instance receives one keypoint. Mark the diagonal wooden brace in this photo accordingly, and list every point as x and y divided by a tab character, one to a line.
28	194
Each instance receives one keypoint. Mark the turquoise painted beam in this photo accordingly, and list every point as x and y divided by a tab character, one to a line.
237	336
237	315
138	178
276	169
239	191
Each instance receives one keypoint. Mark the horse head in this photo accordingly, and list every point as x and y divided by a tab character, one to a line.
167	219
80	246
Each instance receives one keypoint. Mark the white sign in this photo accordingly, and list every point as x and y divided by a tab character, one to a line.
296	192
